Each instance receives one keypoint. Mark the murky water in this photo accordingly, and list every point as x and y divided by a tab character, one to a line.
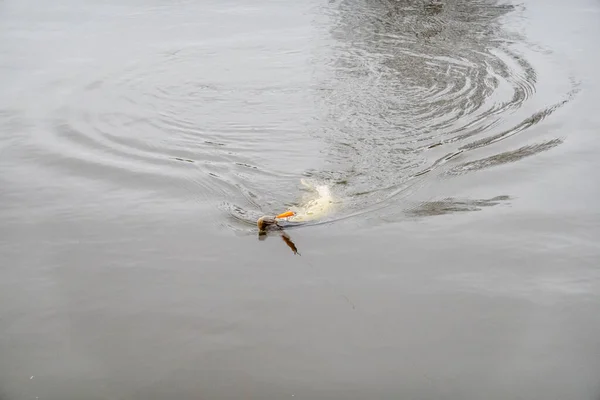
139	142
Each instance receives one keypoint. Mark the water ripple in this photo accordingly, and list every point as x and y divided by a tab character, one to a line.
412	79
373	99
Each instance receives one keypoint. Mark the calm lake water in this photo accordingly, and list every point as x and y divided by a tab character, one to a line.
140	140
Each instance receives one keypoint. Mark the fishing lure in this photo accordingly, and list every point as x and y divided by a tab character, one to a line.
286	214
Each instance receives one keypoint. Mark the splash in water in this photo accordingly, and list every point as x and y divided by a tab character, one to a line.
315	207
319	204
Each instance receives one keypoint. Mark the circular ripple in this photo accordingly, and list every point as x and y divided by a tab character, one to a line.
416	85
392	91
178	123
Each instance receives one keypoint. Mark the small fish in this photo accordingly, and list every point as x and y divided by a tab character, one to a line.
318	205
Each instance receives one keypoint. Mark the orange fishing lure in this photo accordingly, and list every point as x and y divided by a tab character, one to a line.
286	214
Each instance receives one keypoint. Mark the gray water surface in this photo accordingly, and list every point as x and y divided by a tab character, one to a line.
140	140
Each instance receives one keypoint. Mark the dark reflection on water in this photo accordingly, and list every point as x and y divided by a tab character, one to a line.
506	157
447	206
